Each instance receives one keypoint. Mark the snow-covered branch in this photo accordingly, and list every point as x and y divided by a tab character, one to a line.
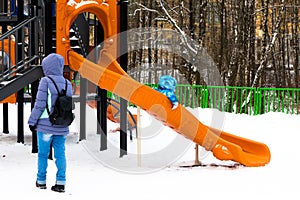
173	22
144	8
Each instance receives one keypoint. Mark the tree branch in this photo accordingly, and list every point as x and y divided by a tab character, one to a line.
173	22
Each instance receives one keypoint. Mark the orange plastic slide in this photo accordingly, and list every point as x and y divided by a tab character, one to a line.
113	112
108	75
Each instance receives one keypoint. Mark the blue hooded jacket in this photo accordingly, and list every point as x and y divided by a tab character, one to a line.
52	66
167	85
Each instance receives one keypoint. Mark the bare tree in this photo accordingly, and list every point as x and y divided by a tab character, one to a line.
242	37
295	42
268	49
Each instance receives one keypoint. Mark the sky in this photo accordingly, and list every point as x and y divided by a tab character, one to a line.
158	166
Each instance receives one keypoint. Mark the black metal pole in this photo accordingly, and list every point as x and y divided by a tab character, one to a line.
83	92
34	51
20	97
103	118
20	134
123	63
98	112
48	28
5	105
101	93
34	88
5	118
123	127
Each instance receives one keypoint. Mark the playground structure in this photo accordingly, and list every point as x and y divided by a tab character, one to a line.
109	73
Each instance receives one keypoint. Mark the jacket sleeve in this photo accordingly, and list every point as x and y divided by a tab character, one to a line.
172	97
40	102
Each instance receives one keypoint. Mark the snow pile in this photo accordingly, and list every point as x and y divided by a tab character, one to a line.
104	175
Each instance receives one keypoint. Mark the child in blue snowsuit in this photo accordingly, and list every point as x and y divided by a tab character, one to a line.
167	85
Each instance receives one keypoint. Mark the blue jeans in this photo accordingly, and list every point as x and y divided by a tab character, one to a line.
58	143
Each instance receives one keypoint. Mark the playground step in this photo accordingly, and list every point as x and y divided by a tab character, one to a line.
19	80
74	40
3	83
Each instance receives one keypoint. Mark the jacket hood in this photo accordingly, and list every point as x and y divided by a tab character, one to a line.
53	64
167	82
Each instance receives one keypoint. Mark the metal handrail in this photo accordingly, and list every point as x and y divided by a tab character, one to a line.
16	28
24	50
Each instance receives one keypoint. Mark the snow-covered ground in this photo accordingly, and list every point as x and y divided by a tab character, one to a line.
157	172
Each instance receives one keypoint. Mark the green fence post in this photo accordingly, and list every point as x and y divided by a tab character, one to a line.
293	101
251	102
269	100
282	101
204	97
297	101
257	101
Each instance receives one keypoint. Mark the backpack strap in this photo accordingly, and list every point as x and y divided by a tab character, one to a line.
54	84
66	87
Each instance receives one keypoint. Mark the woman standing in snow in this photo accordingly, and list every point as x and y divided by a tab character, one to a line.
39	120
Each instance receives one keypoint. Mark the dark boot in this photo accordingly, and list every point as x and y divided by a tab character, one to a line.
41	186
58	188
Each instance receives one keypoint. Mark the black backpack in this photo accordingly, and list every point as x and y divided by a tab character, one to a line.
62	113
